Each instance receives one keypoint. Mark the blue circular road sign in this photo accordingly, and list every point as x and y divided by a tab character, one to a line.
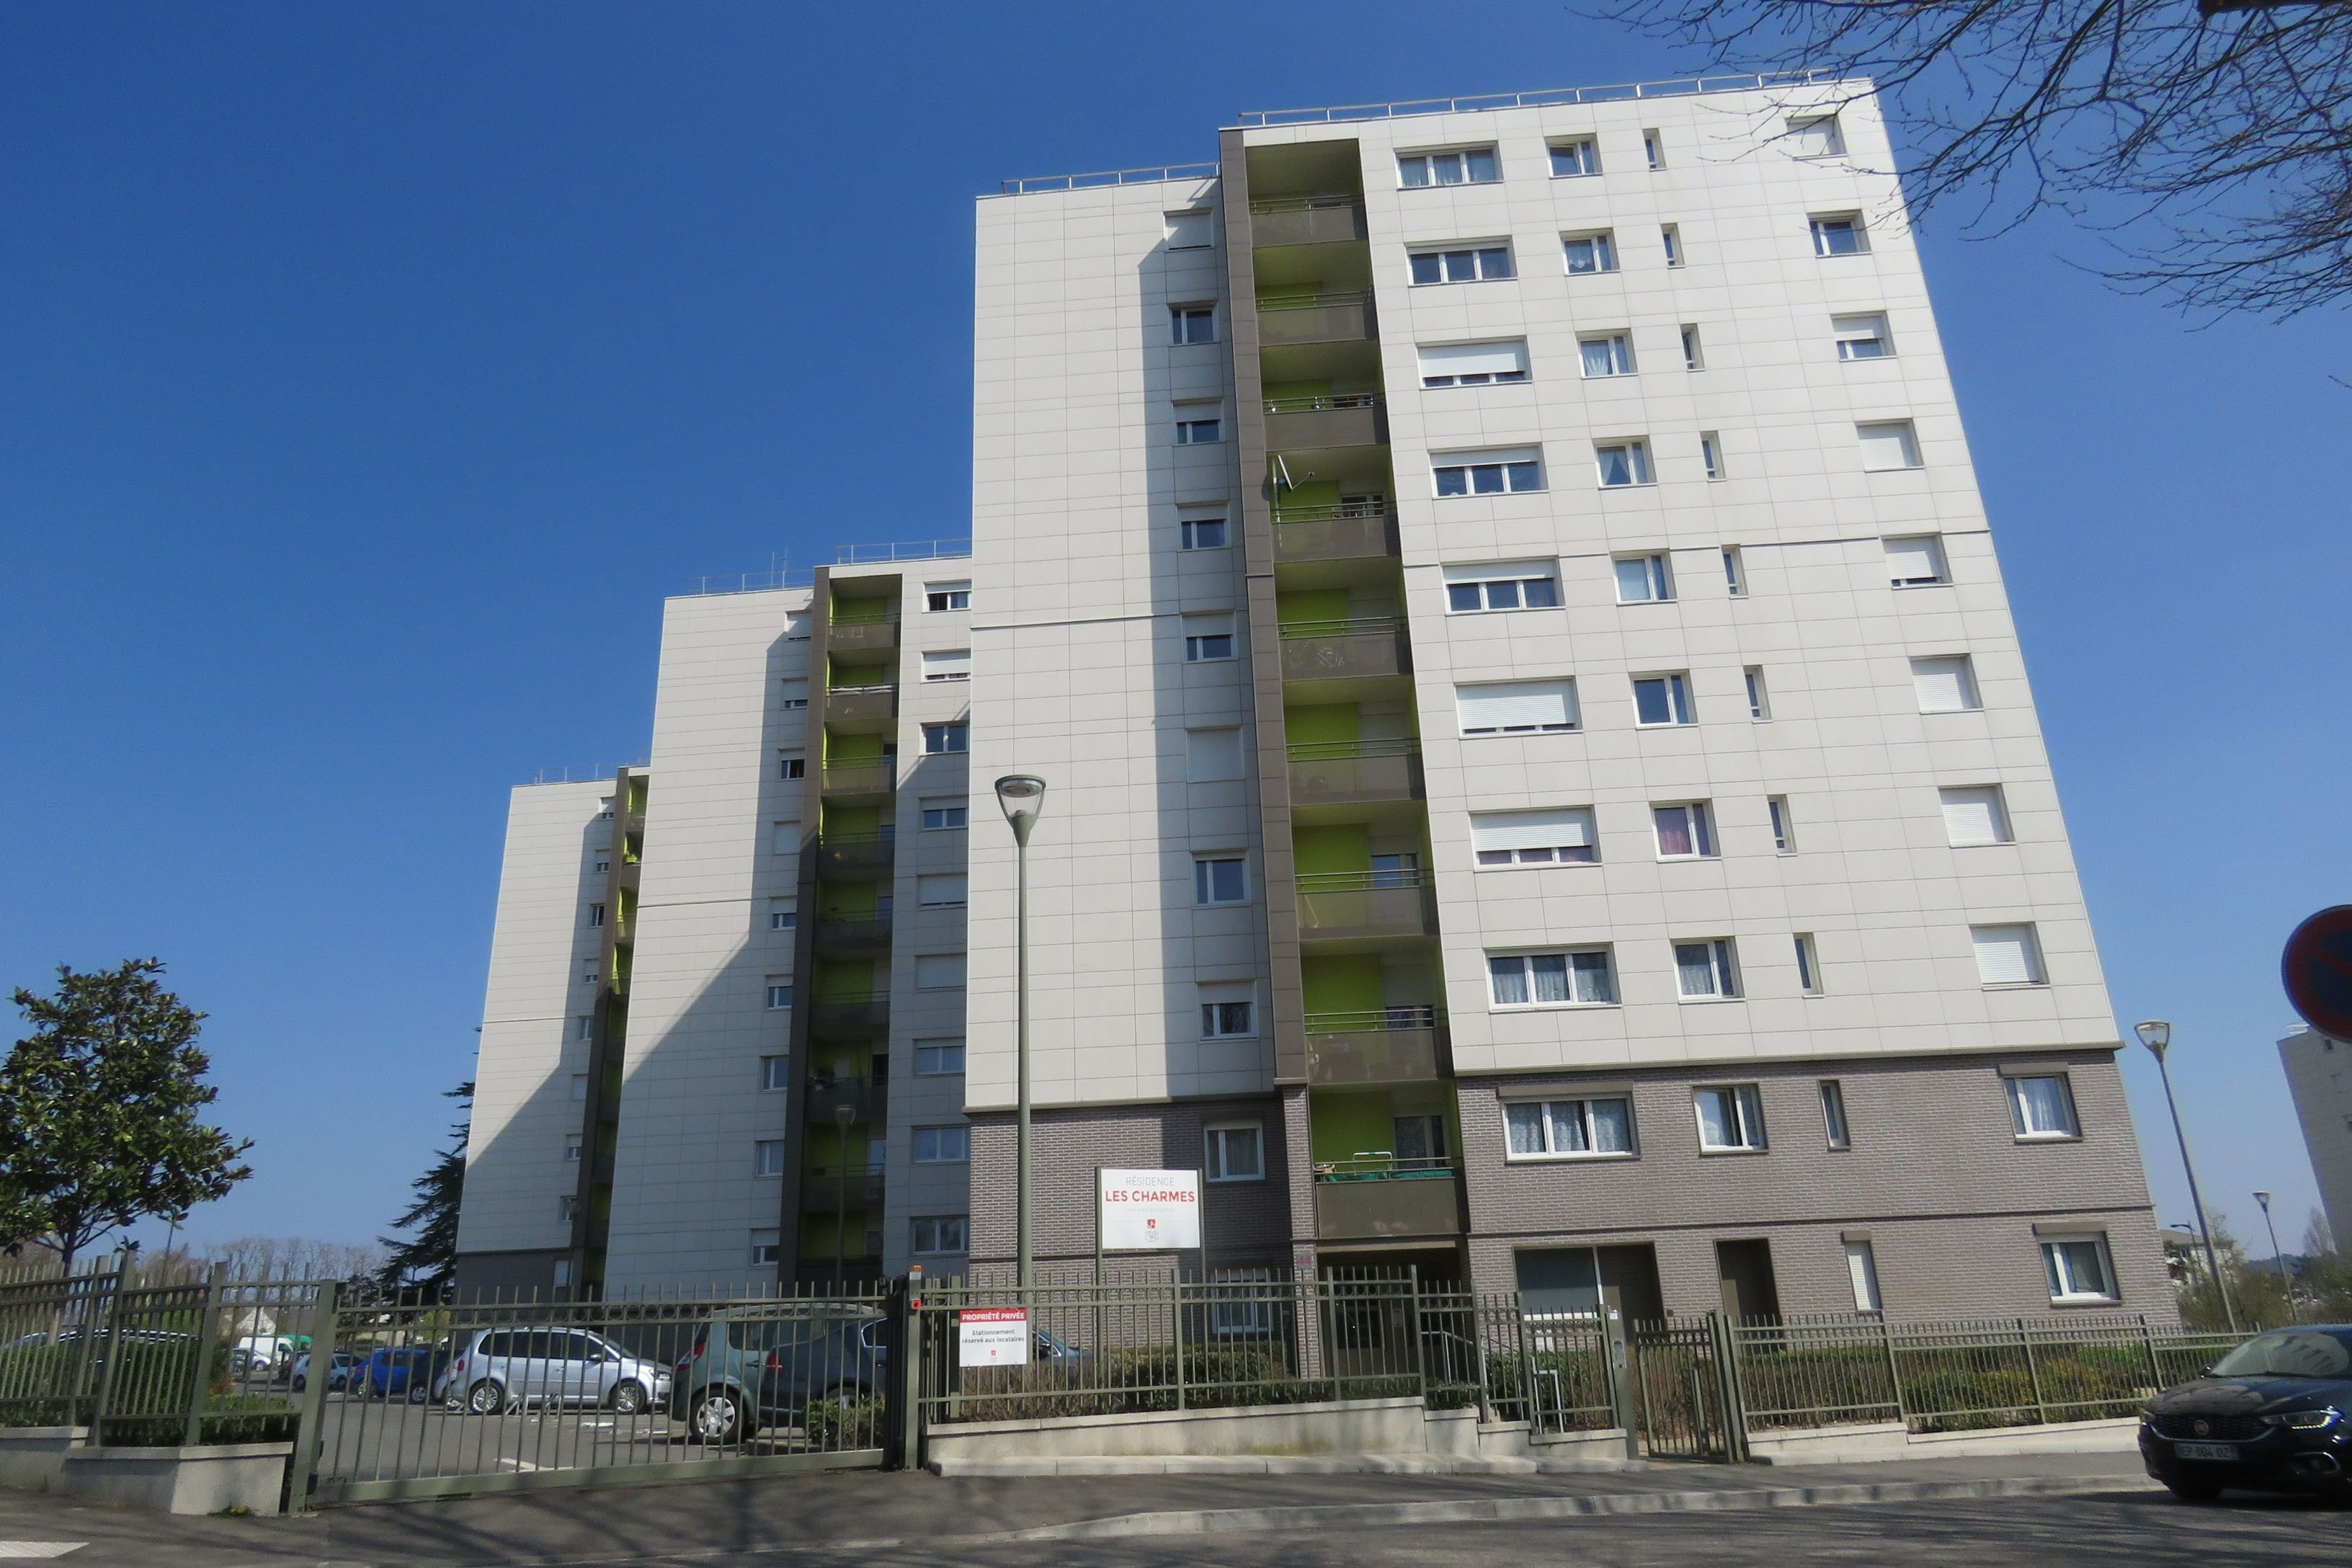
2317	971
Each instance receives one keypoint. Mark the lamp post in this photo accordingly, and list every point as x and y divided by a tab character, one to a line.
2157	1036
2277	1259
844	1115
1021	796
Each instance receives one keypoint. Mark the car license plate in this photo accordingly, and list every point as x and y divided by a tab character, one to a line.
2227	1452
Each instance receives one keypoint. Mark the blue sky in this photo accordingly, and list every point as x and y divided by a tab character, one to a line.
371	374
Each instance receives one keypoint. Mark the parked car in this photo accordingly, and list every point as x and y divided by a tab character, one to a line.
405	1373
2275	1414
494	1367
756	1367
339	1371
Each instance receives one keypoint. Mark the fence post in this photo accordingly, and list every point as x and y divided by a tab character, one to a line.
1412	1331
86	1331
1893	1369
1479	1349
199	1381
112	1332
1176	1288
1619	1367
2155	1367
1723	1331
309	1432
2032	1370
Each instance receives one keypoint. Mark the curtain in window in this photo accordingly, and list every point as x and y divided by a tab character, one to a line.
1509	976
1616	466
1694	968
1550	970
1566	1117
2042	1105
1525	1121
1675	837
1716	1125
1593	977
1613	1132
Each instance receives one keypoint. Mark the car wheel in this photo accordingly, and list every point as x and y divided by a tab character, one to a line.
2193	1491
486	1398
629	1398
843	1395
717	1417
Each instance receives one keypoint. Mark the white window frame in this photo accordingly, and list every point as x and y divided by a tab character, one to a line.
1721	956
573	1144
1636	460
942	804
1760	695
1837	1132
947	740
1938	664
1205	876
2036	970
1656	573
1566	689
1517	858
1653	148
948	669
961	1234
935	897
767	1158
1571	974
1825	227
1195	227
1599	245
2058	1270
1930	545
1815	136
1670	235
1528	581
941	1046
776	1073
1875	437
1969	798
1200	423
1681	712
1808	964
1693	347
780	995
1482	254
1583	1116
2024	1123
1710	454
783	915
1744	1103
1210	640
1735	573
1191	533
1862	336
1862	1273
1509	464
1216	1140
1219	1020
957	593
1484	350
1783	823
1182	318
790	703
952	1136
1618	345
1584	156
1430	160
964	971
767	1254
1698	825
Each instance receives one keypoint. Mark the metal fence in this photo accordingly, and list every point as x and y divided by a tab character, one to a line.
512	1391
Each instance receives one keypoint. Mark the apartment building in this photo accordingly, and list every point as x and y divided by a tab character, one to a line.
2319	1077
1542	786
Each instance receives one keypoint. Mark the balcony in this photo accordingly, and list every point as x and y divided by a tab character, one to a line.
861	634
837	937
1386	1045
1293	320
1366	649
1371	1198
1334	219
857	781
1355	773
850	1017
824	1189
861	707
856	855
1366	906
870	1102
1341	419
1349	531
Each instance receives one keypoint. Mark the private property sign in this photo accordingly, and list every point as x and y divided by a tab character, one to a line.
1149	1211
992	1336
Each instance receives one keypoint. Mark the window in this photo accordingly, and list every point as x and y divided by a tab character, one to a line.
1473	589
1228	1011
936	1234
1202	533
1684	831
2042	1105
1208	638
1705	970
1243	1307
1211	756
1862	337
784	837
939	1058
1735	572
1834	1114
571	1142
940	972
603	866
1643	579
1730	1117
579	1088
1861	1268
943	1145
1220	879
596	915
1516	707
1653	148
942	890
1474	364
1974	815
1574	158
1563	836
767	1249
1662	699
1784	838
1594	252
780	993
2007	954
1578	977
791	765
781	916
563	1208
775	1074
1945	684
1760	707
768	1157
1915	561
944	740
1816	138
1193	323
1473	264
606	814
1622	463
941	812
1234	1154
1607	353
1568	1129
584	1027
1462	166
1671	237
1194	229
2078	1269
1486	473
952	665
1694	357
794	695
1710	453
946	596
1808	966
1198	427
1888	446
1840	234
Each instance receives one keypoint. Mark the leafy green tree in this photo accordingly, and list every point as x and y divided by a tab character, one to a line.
101	1099
427	1260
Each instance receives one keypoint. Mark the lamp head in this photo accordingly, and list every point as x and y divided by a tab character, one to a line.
1021	796
844	1115
2154	1034
2263	1199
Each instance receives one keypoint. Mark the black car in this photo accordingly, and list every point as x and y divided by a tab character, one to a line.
2274	1415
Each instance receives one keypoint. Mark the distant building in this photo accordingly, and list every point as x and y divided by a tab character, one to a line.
2319	1076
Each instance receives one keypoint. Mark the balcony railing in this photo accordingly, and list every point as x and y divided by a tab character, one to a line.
1349	773
1376	1196
825	1187
877	634
1366	536
861	704
857	853
1332	318
839	937
851	1017
1384	1044
1347	419
1343	906
1322	401
1329	511
1368	646
858	779
869	1102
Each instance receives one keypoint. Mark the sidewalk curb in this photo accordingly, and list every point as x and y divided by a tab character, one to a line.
1279	1465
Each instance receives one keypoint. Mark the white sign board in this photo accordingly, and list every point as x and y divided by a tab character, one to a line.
992	1336
1149	1211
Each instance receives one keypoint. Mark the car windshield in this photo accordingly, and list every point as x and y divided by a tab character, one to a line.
2295	1353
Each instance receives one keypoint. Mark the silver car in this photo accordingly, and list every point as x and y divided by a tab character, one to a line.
500	1369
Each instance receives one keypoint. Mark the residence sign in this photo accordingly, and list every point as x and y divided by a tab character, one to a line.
1149	1211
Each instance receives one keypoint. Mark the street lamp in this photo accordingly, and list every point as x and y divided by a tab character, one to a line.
1021	796
844	1115
2277	1258
2157	1036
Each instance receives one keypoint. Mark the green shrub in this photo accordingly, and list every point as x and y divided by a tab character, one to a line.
837	1428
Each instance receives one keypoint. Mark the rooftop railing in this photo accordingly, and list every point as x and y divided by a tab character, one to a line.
1106	177
883	554
1616	93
